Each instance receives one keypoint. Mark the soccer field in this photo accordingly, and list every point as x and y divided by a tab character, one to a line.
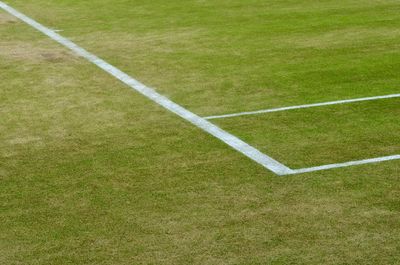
199	132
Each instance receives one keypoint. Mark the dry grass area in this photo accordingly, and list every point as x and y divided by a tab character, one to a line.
93	173
34	52
7	19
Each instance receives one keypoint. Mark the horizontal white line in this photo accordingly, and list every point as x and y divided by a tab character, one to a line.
201	123
346	164
301	106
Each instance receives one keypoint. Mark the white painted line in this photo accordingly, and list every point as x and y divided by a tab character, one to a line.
346	164
201	123
301	106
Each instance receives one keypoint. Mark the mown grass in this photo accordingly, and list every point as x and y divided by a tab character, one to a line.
324	135
93	173
211	56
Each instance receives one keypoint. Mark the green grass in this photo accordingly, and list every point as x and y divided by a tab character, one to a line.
324	135
211	56
93	173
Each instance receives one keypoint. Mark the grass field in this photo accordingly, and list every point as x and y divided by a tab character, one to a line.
92	172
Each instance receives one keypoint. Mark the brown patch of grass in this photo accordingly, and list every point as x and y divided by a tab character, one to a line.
7	19
20	51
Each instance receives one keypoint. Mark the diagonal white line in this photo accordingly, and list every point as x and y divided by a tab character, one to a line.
346	101
346	164
201	123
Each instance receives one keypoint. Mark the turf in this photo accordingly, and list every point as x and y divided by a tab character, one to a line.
324	135
93	173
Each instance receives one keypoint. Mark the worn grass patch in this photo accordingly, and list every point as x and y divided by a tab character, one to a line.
93	173
34	53
7	19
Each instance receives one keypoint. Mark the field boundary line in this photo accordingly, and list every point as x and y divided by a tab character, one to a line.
337	102
345	164
151	94
231	140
